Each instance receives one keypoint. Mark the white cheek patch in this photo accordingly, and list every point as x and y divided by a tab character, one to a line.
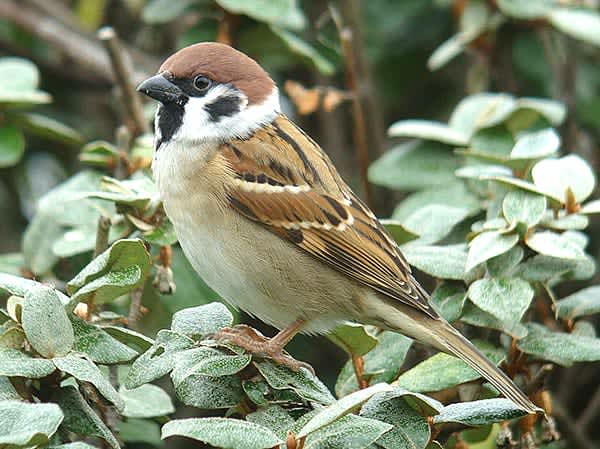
199	125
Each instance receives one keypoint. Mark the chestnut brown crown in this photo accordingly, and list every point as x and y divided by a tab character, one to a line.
222	64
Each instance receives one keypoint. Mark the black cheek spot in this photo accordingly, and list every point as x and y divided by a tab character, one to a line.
225	106
169	118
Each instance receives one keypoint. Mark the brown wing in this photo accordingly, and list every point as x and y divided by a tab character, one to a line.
284	181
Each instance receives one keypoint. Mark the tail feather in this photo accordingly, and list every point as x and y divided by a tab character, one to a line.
462	348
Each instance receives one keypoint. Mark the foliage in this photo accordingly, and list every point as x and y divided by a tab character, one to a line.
497	215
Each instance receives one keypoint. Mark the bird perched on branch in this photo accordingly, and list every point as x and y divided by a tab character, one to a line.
266	220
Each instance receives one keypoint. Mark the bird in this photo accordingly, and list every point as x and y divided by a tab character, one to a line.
268	223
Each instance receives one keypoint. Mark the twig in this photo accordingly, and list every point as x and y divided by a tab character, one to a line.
135	308
358	363
227	28
102	235
123	137
123	72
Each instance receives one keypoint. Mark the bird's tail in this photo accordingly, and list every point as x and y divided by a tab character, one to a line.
457	345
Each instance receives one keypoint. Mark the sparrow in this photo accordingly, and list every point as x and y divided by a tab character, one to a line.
265	219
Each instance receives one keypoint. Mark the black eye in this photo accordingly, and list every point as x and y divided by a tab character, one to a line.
202	83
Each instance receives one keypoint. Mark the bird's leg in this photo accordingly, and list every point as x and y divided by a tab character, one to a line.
255	343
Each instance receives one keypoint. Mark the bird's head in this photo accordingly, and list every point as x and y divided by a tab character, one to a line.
210	91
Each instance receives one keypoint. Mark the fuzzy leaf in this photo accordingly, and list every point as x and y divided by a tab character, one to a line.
427	130
14	363
202	320
99	346
447	262
581	303
353	338
146	401
506	299
487	245
555	176
479	413
27	425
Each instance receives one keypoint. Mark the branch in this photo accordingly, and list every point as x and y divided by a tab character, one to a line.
123	73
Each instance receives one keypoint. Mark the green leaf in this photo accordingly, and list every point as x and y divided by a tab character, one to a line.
506	299
475	316
146	401
302	382
136	193
80	418
582	24
593	207
121	268
14	363
273	417
442	371
76	445
565	221
516	183
479	413
542	268
11	263
158	360
304	49
487	245
411	429
140	431
341	408
482	170
46	323
208	392
414	165
505	263
18	75
227	433
47	128
553	111
554	245
529	10
398	232
18	286
520	206
285	13
495	142
353	338
138	342
447	262
85	371
99	152
449	300
481	111
351	431
536	145
555	176
203	320
382	364
564	349
207	362
7	390
163	11
99	346
434	222
581	303
12	146
427	130
27	425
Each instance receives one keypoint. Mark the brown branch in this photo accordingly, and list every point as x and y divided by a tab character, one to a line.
123	73
358	363
102	235
135	307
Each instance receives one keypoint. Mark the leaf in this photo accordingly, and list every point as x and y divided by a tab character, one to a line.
536	145
340	408
504	264
487	245
18	286
163	11
565	222
427	130
593	207
516	183
353	338
411	429
481	110
273	417
99	346
554	245
121	268
7	390
29	425
398	232
158	360
449	300
146	401
14	363
553	111
542	268
47	128
80	418
302	382
46	324
555	176
447	262
85	371
138	342
414	165
140	431
531	9
479	413
351	431
208	392
11	263
382	364
207	362
520	206
300	47
561	348
482	170
506	299
12	146
581	303
196	322
227	433
285	13
434	222
442	371
582	24
475	316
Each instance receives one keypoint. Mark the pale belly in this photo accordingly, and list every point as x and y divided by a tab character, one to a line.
258	271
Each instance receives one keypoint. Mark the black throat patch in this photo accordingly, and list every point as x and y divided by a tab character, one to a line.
224	106
169	118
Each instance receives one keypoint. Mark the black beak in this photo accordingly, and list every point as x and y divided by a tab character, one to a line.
161	89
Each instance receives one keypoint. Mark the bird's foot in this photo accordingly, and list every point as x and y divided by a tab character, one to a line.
255	343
